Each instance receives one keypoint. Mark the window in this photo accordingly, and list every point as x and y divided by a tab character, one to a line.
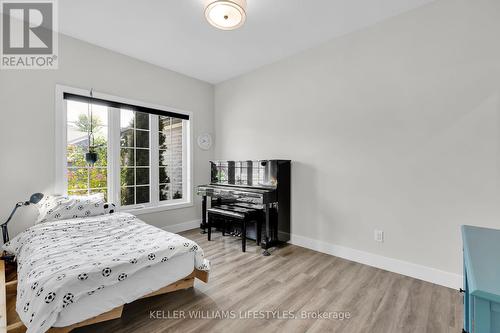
170	158
135	157
143	151
83	179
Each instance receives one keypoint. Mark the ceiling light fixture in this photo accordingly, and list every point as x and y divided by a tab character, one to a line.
226	14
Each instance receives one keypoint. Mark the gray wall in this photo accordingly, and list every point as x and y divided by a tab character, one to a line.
393	127
27	117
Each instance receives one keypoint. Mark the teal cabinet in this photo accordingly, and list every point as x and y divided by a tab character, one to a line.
481	248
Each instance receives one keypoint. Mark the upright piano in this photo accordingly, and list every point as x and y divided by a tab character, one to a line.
262	184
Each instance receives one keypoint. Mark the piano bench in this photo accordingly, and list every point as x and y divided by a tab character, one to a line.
231	215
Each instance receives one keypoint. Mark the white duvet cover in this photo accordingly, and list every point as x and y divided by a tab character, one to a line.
134	287
61	262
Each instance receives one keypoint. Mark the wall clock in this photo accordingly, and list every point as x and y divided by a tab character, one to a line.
204	141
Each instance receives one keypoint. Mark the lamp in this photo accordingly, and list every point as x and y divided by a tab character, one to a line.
226	14
34	199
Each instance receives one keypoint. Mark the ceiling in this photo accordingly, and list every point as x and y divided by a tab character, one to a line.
174	34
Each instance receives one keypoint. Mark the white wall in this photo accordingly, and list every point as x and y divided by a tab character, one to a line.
27	118
393	127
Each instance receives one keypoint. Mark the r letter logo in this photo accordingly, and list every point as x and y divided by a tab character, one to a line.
29	37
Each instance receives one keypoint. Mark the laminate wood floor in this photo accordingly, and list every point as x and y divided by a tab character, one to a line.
292	281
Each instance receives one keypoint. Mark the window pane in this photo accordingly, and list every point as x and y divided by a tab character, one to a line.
164	192
78	119
128	196
177	172
177	191
163	176
102	152
164	157
127	157
82	119
142	176
75	153
127	177
98	177
142	156
127	118
142	194
142	138
127	138
163	123
163	140
170	161
142	120
176	150
135	137
77	179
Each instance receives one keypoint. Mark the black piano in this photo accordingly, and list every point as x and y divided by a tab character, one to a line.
262	185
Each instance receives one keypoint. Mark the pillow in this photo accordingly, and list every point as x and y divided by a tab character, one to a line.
58	207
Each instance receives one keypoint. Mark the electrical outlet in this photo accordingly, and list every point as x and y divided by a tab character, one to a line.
379	236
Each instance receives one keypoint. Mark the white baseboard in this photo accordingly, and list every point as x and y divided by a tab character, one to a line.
420	272
182	226
425	273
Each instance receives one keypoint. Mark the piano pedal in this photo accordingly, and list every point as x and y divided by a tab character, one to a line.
266	253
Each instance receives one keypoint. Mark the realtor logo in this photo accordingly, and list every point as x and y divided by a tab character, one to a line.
29	37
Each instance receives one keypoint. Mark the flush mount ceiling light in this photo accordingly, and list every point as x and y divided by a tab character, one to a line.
226	14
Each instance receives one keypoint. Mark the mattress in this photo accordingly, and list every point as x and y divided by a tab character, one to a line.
140	284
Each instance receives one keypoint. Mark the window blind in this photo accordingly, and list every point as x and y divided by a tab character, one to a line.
120	105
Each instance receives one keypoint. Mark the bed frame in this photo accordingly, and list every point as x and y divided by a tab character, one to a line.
10	322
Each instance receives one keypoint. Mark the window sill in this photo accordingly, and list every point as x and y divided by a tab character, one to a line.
156	209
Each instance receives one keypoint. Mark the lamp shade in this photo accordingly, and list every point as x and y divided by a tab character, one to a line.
35	198
226	14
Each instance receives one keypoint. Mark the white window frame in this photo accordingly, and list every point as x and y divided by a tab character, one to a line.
155	205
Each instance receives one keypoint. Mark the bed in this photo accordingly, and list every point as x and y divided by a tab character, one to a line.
79	271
